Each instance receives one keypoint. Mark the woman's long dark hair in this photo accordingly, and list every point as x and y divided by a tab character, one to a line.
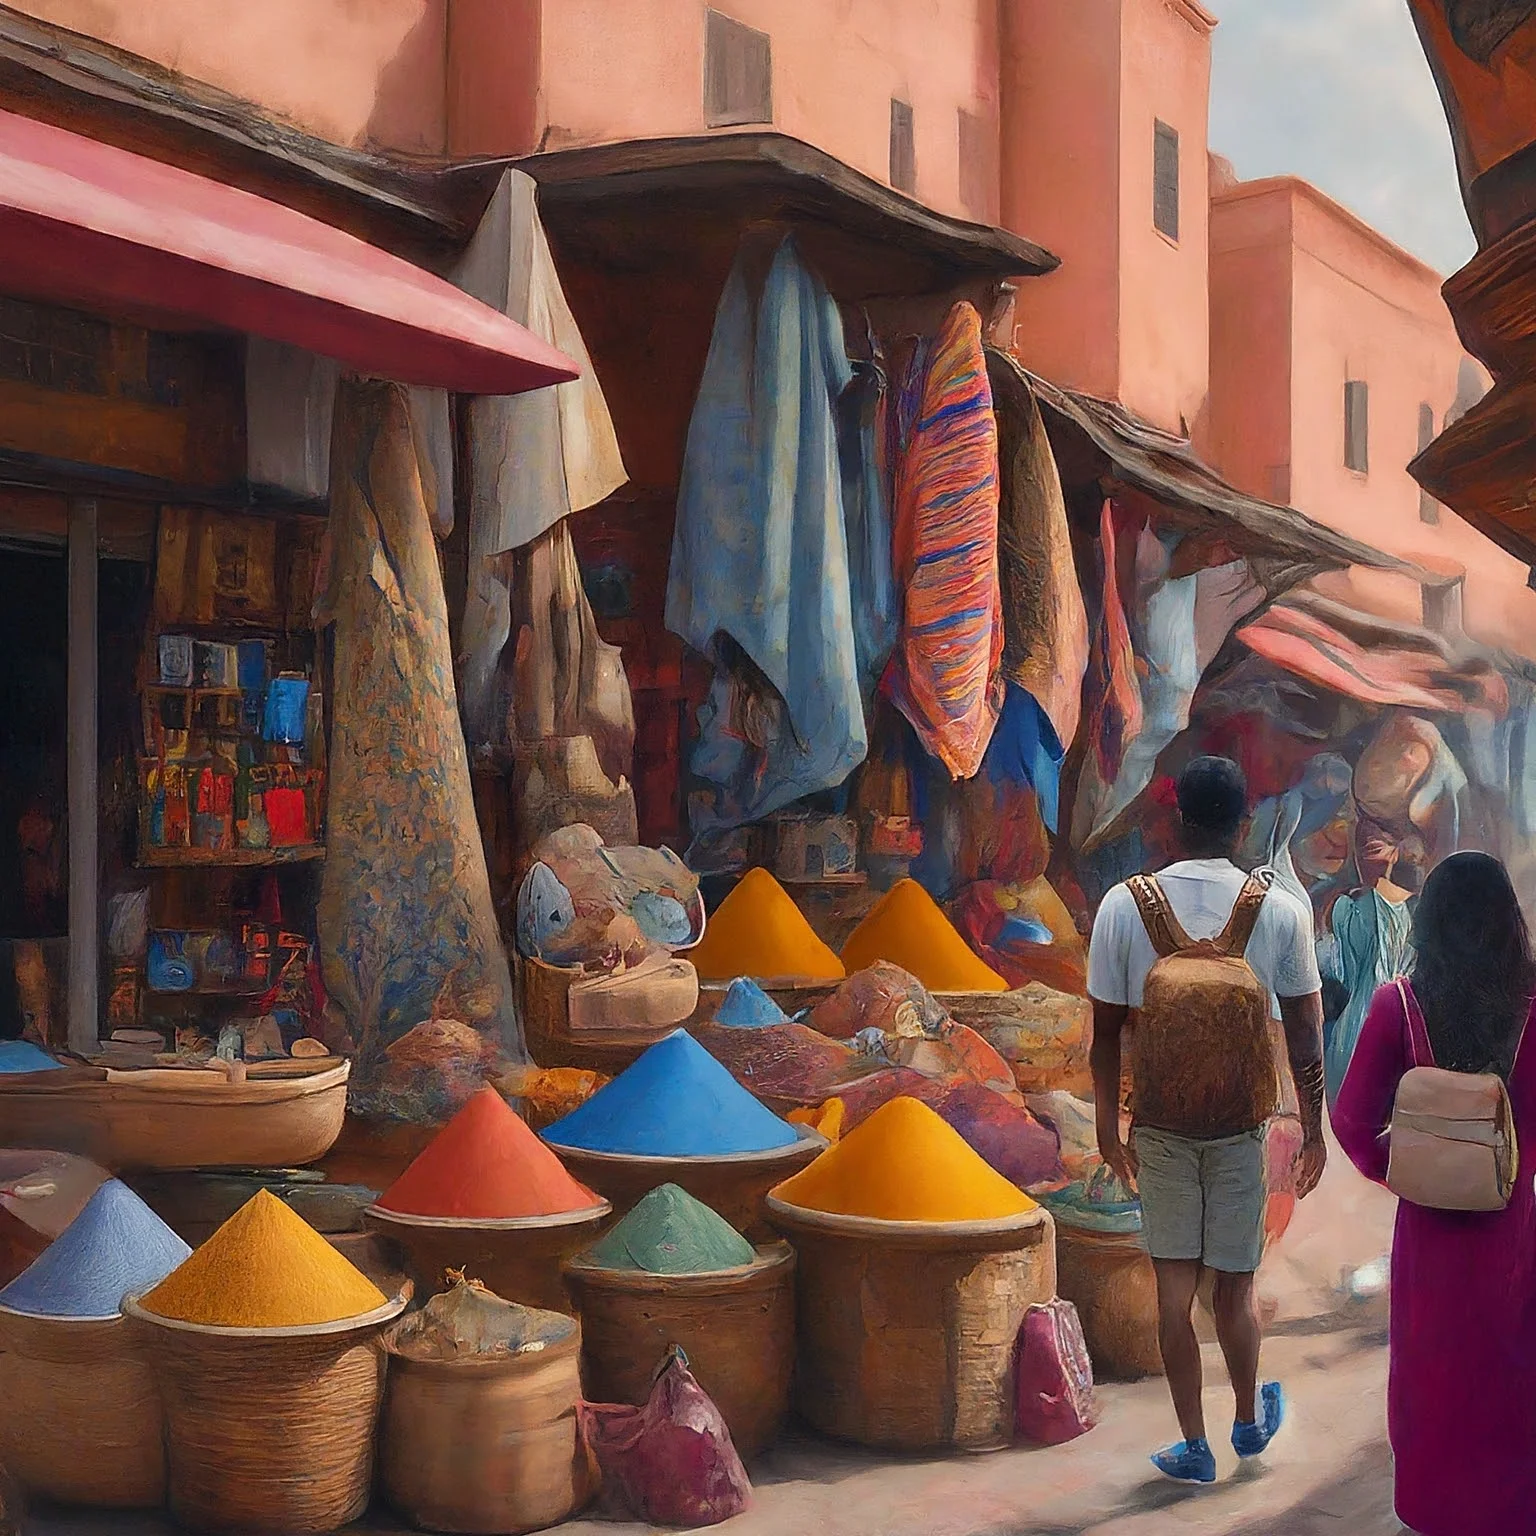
1473	975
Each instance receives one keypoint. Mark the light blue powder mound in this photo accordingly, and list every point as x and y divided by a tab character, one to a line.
747	1006
115	1245
23	1056
675	1101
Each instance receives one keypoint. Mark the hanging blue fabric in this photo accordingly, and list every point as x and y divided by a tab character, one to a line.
1024	750
760	551
867	515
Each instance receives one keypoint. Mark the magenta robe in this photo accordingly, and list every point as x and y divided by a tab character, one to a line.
1461	1390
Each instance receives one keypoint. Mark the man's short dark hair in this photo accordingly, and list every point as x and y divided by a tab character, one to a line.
1213	795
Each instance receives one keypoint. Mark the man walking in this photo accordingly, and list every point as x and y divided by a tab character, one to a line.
1197	960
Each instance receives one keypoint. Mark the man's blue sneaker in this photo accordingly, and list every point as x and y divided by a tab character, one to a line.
1190	1461
1253	1439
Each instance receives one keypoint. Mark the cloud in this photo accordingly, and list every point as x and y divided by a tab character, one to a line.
1339	92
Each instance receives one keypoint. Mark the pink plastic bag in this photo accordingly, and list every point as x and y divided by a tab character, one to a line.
1054	1401
671	1462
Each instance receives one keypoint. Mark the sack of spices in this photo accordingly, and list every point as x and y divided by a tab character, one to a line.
670	1462
1055	1401
10	1505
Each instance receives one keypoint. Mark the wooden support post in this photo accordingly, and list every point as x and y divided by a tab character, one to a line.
84	864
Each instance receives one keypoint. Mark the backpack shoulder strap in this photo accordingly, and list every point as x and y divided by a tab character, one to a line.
1420	1052
1245	913
1163	928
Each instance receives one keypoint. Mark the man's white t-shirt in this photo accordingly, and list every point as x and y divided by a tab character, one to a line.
1202	893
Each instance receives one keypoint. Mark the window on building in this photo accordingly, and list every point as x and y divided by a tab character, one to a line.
1429	508
1357	429
738	73
978	166
1165	180
903	148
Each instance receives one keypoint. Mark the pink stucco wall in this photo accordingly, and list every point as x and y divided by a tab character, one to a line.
1305	292
1083	86
1060	86
354	71
622	69
1164	310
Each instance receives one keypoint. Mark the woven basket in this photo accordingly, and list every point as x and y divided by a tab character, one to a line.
736	1326
485	1445
735	1186
906	1329
1109	1278
80	1415
268	1429
518	1259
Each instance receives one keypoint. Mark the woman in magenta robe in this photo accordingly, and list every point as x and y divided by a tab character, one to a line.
1461	1391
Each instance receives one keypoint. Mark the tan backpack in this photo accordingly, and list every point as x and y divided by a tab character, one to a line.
1200	1050
1453	1145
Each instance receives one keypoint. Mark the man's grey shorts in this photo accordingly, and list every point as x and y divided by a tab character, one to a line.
1203	1199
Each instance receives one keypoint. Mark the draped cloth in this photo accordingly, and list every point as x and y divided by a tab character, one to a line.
944	675
1045	642
533	458
406	924
760	580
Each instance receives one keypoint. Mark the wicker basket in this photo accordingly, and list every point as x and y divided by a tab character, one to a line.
907	1330
268	1429
519	1258
736	1326
1109	1278
547	1025
485	1445
735	1186
80	1414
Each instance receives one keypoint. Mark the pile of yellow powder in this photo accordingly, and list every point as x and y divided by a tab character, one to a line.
264	1268
758	931
905	1164
907	928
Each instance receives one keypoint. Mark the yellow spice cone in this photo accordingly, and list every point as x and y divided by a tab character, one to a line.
264	1268
908	928
758	931
905	1164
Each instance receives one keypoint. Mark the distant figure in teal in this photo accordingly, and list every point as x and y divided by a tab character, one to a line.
1370	944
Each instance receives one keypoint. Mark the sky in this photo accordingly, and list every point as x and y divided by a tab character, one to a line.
1338	92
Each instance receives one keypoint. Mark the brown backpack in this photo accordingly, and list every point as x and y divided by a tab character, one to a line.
1200	1050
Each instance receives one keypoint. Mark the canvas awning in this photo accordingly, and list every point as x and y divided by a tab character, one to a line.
87	224
1284	546
1376	660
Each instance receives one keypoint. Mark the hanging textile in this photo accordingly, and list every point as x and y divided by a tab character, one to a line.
862	432
1025	750
944	675
1114	697
1045	624
1177	625
533	458
760	578
407	931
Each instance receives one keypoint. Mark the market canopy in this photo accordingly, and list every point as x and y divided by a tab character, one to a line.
1376	660
90	225
1283	545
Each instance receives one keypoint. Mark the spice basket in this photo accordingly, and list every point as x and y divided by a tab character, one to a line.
906	1329
518	1258
487	1445
268	1429
737	1327
734	1185
81	1420
1108	1277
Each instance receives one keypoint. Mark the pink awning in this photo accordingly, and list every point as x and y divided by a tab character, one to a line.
1377	663
90	225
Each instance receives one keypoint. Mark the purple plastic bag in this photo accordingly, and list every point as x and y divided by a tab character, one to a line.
1054	1401
671	1462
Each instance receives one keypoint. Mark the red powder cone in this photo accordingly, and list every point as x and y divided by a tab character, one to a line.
486	1165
